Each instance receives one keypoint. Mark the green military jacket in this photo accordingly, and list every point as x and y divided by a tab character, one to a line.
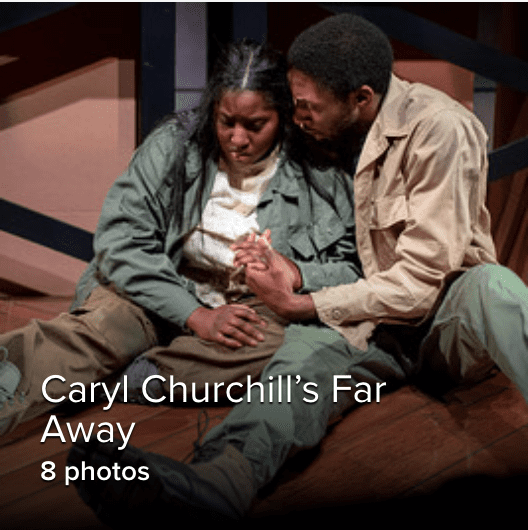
138	250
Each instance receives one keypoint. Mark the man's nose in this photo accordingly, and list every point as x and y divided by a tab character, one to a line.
301	117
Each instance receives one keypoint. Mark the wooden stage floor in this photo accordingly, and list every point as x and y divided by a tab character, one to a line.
411	458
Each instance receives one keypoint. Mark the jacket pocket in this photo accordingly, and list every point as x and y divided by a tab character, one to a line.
388	211
317	240
388	219
301	243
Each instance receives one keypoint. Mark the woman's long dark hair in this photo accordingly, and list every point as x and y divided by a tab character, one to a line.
246	65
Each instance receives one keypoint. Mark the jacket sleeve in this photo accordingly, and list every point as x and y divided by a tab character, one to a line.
444	166
130	239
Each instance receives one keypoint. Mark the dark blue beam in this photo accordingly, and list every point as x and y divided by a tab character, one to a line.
46	231
508	159
250	20
14	14
158	41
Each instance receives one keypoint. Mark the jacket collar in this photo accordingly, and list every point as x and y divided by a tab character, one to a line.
285	180
389	123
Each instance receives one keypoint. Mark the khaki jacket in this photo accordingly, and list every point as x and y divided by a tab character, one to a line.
419	193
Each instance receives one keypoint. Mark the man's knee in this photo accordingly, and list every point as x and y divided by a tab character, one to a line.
486	288
309	349
494	281
477	319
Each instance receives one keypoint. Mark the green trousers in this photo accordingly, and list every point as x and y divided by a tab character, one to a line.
482	322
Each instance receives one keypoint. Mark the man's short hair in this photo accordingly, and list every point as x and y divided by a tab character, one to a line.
342	53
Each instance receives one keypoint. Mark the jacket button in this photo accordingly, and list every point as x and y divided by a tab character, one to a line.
336	314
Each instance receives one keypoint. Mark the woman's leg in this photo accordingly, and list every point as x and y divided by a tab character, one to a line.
203	370
100	337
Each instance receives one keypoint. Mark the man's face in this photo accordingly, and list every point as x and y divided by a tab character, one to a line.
317	111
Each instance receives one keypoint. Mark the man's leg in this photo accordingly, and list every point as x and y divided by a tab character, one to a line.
101	336
247	449
267	431
482	322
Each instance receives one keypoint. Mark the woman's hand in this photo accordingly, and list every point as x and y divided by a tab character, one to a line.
249	251
255	254
232	325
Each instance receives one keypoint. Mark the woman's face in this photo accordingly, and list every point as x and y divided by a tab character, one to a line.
246	126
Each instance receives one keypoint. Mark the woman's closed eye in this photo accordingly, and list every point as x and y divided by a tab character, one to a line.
255	126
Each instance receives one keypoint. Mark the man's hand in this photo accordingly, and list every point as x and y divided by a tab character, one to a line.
232	325
272	279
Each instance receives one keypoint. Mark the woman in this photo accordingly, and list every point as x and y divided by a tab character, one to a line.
162	280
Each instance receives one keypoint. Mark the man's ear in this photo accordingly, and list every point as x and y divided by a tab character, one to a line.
363	96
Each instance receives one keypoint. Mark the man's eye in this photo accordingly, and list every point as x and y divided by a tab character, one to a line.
302	105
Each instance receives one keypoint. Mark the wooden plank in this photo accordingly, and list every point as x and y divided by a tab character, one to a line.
501	459
55	507
52	305
4	314
361	462
16	312
159	429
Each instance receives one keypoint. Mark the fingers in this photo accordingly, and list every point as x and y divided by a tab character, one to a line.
255	253
240	328
267	235
246	313
245	257
226	341
243	335
249	240
252	240
249	258
236	337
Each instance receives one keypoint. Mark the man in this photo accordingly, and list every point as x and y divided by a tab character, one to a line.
432	299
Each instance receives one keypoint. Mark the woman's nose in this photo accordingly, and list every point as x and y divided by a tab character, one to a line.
239	138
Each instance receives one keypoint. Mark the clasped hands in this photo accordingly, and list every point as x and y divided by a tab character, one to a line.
271	277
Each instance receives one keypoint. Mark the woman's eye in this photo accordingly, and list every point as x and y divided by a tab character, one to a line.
256	126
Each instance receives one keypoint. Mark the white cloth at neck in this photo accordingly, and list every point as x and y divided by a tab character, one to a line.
230	215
